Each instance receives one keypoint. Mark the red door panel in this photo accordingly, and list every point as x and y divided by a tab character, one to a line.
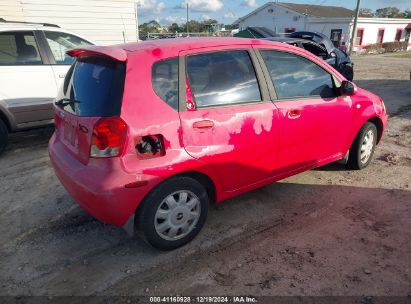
312	130
314	122
239	142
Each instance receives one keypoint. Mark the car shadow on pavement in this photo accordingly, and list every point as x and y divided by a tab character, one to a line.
28	139
332	167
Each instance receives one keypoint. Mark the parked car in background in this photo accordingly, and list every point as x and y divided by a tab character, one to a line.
342	60
148	134
33	64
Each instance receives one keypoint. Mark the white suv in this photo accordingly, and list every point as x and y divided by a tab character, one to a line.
33	64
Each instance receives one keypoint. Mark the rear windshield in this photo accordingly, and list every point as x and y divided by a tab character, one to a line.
93	87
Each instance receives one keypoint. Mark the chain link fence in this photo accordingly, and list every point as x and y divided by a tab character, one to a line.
153	36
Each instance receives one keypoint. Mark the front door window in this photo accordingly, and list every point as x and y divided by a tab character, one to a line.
297	77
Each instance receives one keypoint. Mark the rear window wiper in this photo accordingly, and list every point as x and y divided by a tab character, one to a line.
66	101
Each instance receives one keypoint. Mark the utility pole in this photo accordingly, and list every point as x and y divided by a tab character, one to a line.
354	30
136	13
187	20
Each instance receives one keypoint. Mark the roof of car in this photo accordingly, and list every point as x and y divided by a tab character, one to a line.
319	10
315	10
168	45
31	26
21	25
188	43
26	27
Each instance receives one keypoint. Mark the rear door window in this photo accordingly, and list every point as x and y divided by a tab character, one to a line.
95	87
19	48
294	76
165	81
222	78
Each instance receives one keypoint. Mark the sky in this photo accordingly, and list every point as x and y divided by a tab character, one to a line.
227	11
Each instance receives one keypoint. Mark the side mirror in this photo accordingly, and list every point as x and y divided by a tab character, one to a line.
347	88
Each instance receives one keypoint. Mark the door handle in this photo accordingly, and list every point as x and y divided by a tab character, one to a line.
203	125
294	113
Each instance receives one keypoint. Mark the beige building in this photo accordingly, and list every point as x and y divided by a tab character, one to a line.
101	21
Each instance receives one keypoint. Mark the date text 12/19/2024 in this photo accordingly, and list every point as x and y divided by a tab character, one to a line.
204	299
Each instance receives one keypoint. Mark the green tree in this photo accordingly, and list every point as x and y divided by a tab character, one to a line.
366	12
174	27
148	27
388	12
194	26
230	27
406	14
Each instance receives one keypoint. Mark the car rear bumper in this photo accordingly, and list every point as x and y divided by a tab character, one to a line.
99	186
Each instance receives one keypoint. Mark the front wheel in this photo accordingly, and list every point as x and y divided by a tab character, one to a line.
173	213
362	149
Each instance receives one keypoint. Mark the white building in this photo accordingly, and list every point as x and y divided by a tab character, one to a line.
334	22
101	21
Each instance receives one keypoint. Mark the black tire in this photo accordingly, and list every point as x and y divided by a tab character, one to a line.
354	159
347	71
146	213
4	136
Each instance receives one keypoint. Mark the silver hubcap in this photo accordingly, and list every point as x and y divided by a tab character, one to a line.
367	146
177	215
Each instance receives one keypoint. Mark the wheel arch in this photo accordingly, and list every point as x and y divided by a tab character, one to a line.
379	125
200	177
5	119
203	179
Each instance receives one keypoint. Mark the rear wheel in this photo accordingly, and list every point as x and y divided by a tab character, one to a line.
4	135
362	149
173	213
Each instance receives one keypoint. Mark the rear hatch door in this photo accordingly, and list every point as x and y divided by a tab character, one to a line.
92	89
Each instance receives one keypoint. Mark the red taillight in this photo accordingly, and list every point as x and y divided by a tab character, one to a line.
109	136
57	121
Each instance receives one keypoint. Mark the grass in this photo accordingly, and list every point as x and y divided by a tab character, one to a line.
405	55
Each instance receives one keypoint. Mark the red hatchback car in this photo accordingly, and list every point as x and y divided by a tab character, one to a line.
149	134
